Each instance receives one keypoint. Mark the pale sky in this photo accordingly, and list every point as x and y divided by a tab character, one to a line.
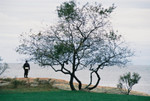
130	18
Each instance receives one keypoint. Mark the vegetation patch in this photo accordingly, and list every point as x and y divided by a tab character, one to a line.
26	85
50	84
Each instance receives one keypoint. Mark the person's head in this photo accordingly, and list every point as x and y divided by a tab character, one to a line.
26	61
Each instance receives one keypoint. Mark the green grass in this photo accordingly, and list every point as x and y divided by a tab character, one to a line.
66	96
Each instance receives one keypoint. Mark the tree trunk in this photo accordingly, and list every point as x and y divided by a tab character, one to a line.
128	92
91	78
79	82
73	72
98	80
71	83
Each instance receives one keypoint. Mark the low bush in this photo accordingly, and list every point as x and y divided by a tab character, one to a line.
48	83
15	83
127	81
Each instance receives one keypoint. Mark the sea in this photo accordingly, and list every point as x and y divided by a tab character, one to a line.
109	75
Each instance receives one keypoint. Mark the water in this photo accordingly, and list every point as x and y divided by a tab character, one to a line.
109	75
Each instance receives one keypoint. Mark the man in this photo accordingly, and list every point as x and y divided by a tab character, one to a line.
26	68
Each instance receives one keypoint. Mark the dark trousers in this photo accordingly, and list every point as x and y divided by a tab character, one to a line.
26	73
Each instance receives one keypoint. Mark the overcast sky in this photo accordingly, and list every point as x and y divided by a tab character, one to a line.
131	18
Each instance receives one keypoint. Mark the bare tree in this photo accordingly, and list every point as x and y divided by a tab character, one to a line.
3	67
82	39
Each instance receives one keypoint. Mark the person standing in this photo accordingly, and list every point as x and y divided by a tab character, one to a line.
26	68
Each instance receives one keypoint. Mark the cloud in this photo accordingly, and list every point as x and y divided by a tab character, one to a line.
133	22
122	3
12	27
142	4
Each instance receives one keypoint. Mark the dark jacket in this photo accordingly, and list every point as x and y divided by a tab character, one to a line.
26	65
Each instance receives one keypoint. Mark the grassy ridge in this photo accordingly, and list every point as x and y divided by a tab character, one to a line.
43	89
67	96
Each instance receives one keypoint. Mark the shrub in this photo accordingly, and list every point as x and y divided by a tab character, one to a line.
127	81
15	83
49	83
6	79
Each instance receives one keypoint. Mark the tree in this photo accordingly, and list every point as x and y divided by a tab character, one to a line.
3	67
82	39
127	81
